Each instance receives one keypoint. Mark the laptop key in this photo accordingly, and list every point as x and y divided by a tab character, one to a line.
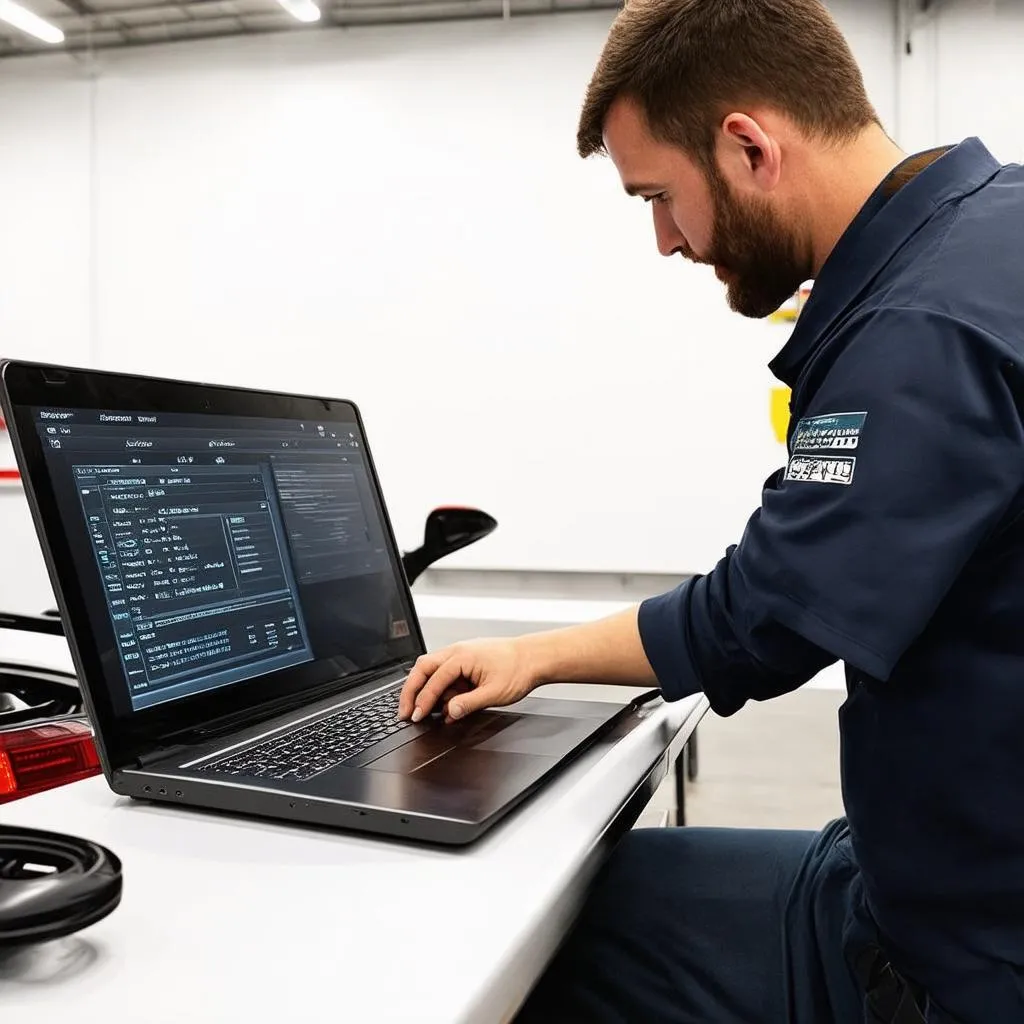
316	747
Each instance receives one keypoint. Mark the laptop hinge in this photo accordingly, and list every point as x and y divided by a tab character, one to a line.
160	754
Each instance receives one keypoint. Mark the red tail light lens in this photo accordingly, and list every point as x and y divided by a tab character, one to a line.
45	756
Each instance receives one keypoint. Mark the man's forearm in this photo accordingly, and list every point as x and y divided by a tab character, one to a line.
607	651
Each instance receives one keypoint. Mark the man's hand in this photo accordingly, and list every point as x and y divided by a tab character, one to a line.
468	677
492	673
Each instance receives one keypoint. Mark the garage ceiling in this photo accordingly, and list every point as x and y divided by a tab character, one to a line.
106	24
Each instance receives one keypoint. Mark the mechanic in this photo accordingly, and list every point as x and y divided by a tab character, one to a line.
893	541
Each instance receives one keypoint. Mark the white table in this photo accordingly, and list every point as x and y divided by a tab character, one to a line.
228	920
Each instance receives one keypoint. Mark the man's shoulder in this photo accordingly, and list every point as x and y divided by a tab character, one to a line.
920	349
926	324
964	268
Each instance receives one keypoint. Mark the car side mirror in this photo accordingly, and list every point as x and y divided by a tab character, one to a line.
448	529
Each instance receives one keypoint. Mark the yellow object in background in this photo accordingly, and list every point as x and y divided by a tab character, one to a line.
780	413
780	397
786	313
789	312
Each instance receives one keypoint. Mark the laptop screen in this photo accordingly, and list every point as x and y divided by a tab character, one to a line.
226	547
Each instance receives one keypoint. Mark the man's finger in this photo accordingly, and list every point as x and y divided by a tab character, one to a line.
443	676
458	687
475	700
426	665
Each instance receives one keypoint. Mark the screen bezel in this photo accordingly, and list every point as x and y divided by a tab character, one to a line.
122	739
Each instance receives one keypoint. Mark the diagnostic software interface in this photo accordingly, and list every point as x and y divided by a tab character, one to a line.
227	547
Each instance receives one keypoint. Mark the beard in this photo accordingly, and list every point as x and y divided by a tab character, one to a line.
760	255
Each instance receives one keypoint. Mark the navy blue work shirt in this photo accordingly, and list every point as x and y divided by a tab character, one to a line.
894	541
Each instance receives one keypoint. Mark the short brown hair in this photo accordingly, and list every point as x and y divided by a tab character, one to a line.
687	63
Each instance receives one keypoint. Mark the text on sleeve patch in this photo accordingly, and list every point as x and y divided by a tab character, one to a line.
835	432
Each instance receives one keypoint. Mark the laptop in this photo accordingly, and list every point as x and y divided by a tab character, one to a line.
239	617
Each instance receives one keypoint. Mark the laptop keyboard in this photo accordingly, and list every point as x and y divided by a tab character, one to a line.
316	747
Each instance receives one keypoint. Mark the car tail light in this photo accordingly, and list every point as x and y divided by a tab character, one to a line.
45	756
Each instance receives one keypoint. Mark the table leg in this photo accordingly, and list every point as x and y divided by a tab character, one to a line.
680	773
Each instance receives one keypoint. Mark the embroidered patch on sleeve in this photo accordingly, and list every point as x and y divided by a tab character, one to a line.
835	432
834	469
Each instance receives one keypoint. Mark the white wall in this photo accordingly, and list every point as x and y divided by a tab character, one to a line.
964	76
44	235
980	74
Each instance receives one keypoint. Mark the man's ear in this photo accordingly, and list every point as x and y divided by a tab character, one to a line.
750	157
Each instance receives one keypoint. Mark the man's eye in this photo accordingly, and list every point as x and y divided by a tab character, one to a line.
661	197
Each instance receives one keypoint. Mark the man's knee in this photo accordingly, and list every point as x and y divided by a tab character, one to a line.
641	865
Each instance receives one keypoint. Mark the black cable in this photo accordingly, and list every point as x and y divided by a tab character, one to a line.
19	668
46	623
39	694
53	885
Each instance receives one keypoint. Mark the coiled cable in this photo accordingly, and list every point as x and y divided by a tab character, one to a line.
53	885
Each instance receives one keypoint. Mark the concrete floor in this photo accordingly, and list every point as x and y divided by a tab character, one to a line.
772	765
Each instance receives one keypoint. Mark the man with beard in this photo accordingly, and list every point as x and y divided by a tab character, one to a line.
893	541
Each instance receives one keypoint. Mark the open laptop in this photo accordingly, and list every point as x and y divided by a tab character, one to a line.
238	614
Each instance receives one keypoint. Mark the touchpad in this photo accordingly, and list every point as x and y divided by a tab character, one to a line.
545	735
481	729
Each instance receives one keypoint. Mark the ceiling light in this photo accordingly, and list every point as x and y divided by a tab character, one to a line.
301	10
16	15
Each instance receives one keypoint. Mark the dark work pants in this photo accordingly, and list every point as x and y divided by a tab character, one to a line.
710	926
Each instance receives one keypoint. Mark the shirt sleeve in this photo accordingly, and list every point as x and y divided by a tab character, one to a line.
908	458
702	637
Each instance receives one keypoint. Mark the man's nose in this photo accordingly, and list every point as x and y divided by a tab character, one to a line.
670	239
